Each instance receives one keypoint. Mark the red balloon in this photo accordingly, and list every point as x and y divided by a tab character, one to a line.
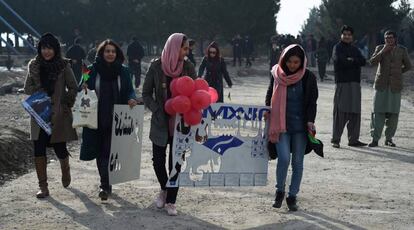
200	99
181	104
168	107
201	84
213	94
193	117
173	87
185	86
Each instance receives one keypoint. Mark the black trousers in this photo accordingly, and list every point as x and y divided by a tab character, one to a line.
322	70
248	62
135	69
352	122
102	160
238	57
158	160
44	141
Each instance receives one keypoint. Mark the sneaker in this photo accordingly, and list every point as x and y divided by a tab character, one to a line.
160	200
335	145
171	209
390	143
279	199
357	144
373	144
291	203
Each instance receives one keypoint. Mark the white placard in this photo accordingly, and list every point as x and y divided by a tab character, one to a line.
228	148
126	144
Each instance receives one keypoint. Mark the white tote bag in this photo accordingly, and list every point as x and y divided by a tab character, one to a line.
85	110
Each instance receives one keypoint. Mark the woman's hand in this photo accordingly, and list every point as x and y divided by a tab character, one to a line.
311	127
85	87
140	101
266	115
132	103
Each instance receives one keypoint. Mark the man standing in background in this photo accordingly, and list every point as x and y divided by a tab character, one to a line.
190	55
393	61
311	49
76	54
237	43
347	100
135	53
248	50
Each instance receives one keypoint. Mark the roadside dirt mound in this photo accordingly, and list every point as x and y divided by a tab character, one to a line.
16	153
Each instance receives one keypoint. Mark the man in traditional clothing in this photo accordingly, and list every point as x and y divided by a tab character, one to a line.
347	100
393	61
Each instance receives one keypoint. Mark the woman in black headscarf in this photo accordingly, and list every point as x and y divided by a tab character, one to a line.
50	73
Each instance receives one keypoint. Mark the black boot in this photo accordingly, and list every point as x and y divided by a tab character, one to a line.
291	203
279	199
373	144
390	143
103	194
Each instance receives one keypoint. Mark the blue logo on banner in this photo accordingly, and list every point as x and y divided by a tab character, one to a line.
221	144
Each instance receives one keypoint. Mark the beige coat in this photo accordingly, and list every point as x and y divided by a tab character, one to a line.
63	99
391	66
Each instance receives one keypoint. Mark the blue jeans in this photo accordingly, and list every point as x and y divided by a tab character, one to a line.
294	143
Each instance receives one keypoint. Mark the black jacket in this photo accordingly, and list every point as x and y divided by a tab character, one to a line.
310	89
274	56
135	51
214	75
347	70
191	57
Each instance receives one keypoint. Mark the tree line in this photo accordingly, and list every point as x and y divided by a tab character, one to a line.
152	21
369	18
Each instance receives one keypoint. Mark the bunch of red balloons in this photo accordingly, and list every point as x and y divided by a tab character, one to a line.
189	97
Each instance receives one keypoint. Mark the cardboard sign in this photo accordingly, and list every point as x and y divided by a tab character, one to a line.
126	144
228	148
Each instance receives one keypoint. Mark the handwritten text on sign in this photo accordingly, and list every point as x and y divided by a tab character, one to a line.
126	144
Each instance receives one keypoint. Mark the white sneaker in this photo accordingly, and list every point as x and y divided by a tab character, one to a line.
160	200
171	209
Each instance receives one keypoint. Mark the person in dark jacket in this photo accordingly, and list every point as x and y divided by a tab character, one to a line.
248	49
347	61
215	67
293	112
76	54
237	43
112	84
135	53
155	92
311	49
274	53
190	55
322	58
51	73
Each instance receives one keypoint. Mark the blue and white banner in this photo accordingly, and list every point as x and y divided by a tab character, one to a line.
228	148
39	106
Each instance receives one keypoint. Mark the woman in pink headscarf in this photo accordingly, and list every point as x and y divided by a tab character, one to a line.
156	91
292	95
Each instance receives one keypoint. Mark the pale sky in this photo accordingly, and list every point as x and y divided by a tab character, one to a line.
293	13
